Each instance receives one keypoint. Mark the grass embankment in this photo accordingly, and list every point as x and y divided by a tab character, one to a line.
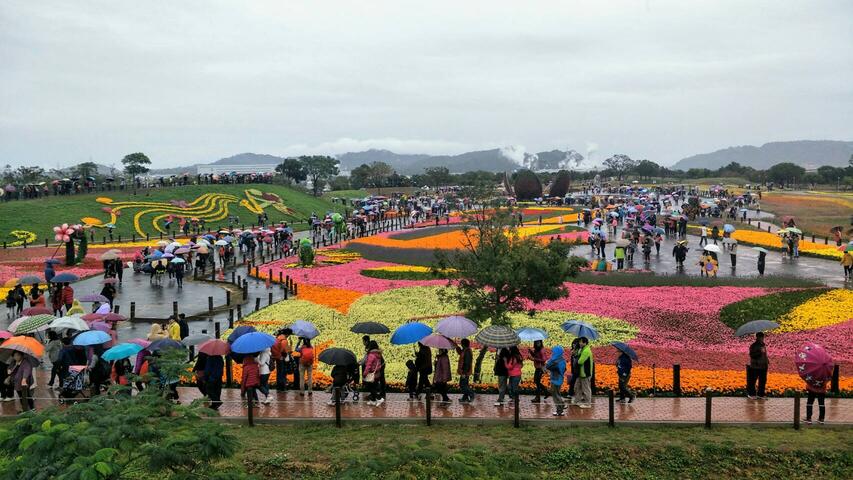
41	215
815	213
766	307
469	451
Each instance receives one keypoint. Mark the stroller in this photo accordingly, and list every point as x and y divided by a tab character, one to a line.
74	385
347	378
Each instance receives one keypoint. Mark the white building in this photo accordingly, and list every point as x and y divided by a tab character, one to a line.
225	169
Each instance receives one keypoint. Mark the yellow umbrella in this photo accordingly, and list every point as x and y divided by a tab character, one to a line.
12	282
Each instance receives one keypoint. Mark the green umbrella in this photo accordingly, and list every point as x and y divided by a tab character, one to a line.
33	324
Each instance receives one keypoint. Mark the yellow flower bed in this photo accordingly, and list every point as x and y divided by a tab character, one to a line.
831	308
22	236
774	241
405	268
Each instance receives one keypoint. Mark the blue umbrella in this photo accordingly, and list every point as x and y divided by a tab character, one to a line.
164	344
121	351
728	228
65	278
410	333
92	337
239	332
580	329
660	230
253	342
304	329
624	348
529	334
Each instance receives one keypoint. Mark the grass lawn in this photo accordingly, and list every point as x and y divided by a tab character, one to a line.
41	215
476	451
815	213
345	194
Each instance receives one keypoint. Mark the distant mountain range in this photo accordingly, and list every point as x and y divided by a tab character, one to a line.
806	153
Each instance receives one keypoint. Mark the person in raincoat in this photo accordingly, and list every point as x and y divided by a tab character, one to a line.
21	378
586	367
556	367
623	370
847	263
173	329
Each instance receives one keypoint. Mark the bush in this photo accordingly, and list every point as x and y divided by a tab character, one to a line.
527	185
561	184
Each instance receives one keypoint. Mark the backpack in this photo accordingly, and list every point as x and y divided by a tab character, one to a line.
306	356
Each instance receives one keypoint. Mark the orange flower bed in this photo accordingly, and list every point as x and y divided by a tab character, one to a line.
336	298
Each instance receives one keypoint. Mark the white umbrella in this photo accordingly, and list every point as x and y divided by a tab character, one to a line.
69	323
713	248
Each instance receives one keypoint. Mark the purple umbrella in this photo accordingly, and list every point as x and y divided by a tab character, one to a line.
814	364
139	341
437	341
93	298
102	326
456	326
10	188
182	251
168	255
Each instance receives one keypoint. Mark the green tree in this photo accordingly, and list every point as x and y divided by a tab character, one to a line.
498	272
561	184
647	169
620	164
86	169
359	177
292	169
135	164
378	174
340	182
319	168
785	173
29	174
437	176
527	185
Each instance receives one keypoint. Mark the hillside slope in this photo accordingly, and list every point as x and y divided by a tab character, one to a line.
806	153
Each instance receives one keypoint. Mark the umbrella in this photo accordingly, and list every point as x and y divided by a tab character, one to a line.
239	332
497	336
744	210
528	334
36	311
69	323
814	364
220	243
755	326
410	333
102	326
304	329
175	244
215	347
795	230
182	251
12	326
121	351
178	260
369	328
4	334
103	309
728	228
164	344
110	280
337	356
92	337
91	317
36	323
624	348
196	339
622	242
660	230
762	250
456	326
65	278
52	261
436	340
648	228
12	282
26	345
253	342
580	329
713	248
94	298
30	280
162	243
167	255
108	256
139	341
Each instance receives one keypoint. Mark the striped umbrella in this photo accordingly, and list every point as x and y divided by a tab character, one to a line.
497	336
36	323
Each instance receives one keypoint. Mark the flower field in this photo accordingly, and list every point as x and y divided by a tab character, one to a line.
666	325
773	241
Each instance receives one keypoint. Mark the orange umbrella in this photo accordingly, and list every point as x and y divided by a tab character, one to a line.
27	345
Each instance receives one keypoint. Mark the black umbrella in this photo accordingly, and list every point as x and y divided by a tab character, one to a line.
239	332
337	356
370	328
164	344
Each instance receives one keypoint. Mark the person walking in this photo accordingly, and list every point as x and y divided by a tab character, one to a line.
373	374
586	367
442	374
21	378
502	373
514	362
816	390
715	234
556	366
264	358
183	326
214	366
658	240
757	370
67	297
537	354
623	370
54	345
847	263
423	363
761	259
733	254
179	274
251	378
463	369
306	367
703	235
281	353
619	254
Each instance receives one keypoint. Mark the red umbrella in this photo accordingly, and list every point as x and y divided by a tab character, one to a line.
91	317
114	317
215	347
35	311
814	364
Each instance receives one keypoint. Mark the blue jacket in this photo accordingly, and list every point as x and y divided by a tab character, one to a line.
556	366
623	365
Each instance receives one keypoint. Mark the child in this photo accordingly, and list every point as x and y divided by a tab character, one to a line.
412	380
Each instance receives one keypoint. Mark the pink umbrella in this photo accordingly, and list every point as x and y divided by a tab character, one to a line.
102	326
456	326
814	364
91	317
36	311
140	341
214	347
182	250
114	317
437	341
4	335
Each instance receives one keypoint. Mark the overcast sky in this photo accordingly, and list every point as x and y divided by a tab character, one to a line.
194	81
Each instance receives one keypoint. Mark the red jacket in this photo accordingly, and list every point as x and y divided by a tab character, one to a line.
67	295
251	374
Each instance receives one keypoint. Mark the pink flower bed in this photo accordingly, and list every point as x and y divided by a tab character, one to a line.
347	276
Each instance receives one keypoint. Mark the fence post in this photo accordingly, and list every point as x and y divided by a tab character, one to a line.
175	310
797	410
230	318
279	276
216	330
132	310
338	407
611	420
239	312
833	383
116	309
428	407
269	302
249	395
708	408
516	413
245	289
676	380
210	305
258	303
229	372
228	297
